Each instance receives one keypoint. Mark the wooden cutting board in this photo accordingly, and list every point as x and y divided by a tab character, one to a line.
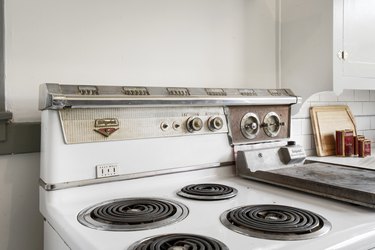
325	120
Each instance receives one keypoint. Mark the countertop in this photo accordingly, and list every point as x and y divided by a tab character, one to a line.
367	162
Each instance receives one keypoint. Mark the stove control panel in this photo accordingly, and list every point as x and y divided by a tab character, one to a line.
109	124
252	124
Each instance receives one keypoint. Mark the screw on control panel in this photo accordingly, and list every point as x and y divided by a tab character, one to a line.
260	155
176	125
164	126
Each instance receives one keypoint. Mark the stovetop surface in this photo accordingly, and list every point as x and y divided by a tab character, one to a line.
353	227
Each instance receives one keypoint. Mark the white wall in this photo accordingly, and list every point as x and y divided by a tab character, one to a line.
218	43
306	46
145	42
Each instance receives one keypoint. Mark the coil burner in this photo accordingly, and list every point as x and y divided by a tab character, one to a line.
207	191
178	242
275	222
132	214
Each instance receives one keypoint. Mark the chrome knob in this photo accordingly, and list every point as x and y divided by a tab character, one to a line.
215	123
250	125
272	124
194	124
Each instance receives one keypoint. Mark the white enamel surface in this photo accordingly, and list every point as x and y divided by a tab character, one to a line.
65	163
52	241
353	227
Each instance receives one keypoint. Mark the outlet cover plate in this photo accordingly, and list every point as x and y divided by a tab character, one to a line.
106	170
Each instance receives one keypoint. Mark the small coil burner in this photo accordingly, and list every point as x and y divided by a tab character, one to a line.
275	222
132	214
178	242
207	191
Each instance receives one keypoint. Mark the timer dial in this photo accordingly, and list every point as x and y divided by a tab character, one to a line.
250	125
272	124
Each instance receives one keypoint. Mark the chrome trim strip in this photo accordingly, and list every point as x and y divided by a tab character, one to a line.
65	185
118	102
59	96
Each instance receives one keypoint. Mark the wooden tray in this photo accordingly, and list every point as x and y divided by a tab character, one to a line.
325	120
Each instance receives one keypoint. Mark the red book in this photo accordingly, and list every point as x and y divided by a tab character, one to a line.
367	148
340	142
364	147
349	142
356	139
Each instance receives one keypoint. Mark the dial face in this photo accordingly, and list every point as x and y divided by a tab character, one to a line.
271	124
250	125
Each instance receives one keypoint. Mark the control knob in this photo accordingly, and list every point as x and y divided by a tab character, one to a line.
215	123
194	124
272	124
250	125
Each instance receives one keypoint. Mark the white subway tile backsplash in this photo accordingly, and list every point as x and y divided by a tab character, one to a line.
297	139
360	132
314	98
306	127
304	111
327	96
360	102
368	108
306	141
363	123
355	107
313	142
370	134
297	126
310	152
362	95
346	95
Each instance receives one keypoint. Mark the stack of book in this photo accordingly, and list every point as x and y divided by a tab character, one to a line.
347	144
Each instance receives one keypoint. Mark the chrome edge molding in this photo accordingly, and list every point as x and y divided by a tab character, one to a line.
56	96
65	185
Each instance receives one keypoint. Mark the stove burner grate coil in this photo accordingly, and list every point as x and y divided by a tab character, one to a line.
207	191
132	214
178	242
275	222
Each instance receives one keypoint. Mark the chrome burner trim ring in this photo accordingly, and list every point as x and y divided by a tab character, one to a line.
282	214
198	193
181	212
141	243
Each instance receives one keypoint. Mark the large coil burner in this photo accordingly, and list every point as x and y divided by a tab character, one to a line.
275	222
207	191
178	242
132	214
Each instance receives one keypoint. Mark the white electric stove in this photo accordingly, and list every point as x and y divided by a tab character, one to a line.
118	166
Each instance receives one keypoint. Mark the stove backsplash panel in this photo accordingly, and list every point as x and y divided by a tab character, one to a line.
252	124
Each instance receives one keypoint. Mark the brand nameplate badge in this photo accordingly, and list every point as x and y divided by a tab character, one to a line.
106	126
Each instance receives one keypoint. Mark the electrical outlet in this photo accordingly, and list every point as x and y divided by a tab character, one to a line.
106	170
